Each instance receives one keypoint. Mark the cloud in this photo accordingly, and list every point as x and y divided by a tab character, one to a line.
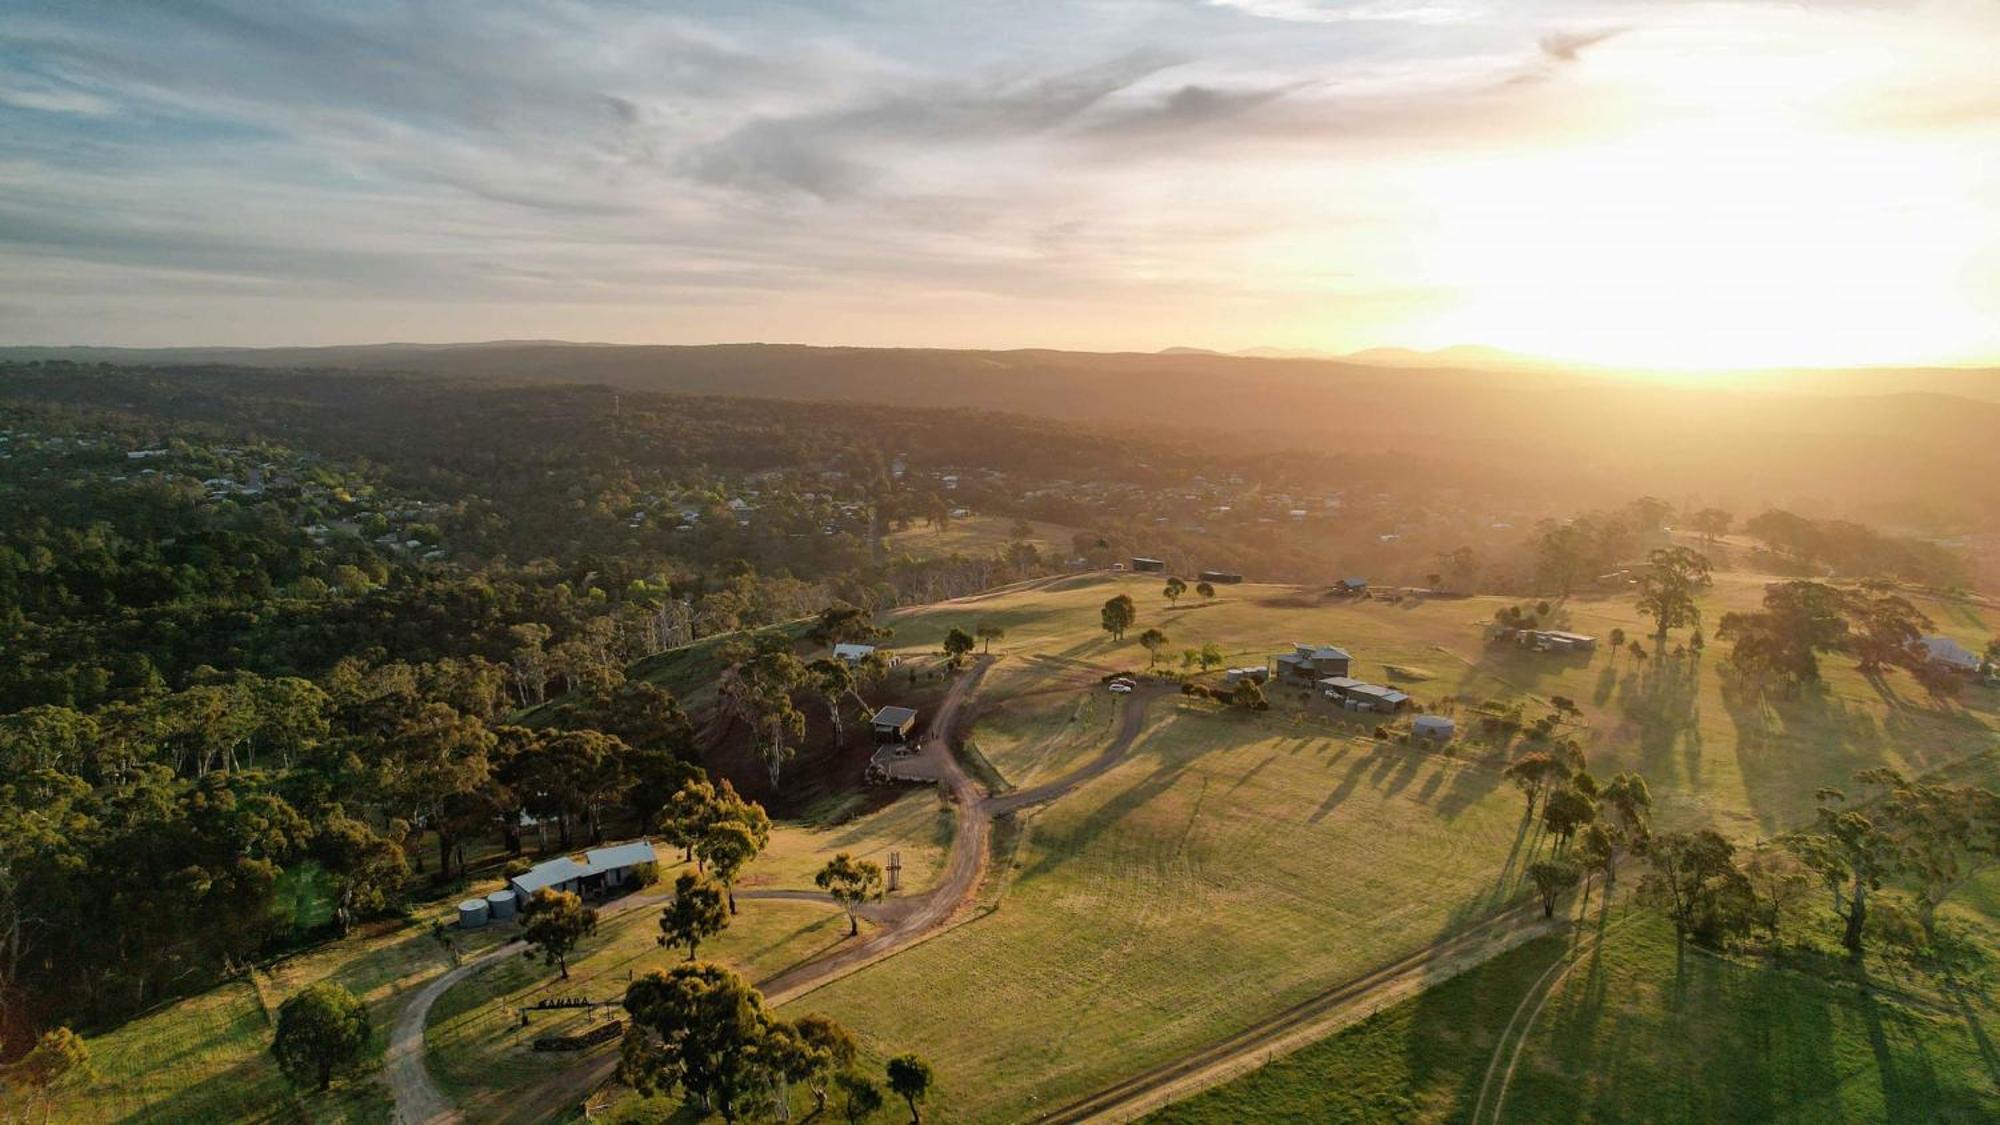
826	153
1568	46
1350	11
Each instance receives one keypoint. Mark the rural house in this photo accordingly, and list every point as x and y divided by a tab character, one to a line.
1148	566
1308	663
852	653
596	871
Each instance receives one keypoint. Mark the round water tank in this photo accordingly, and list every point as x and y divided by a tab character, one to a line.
472	914
500	904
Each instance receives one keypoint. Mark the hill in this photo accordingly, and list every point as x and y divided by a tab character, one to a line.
1777	438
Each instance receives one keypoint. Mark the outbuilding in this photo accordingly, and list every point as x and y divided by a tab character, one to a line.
894	724
1220	577
1434	727
1943	650
1559	640
1148	566
500	905
852	653
472	914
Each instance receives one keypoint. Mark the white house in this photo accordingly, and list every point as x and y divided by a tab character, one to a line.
852	653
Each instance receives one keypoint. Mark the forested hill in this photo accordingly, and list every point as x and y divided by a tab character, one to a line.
1819	440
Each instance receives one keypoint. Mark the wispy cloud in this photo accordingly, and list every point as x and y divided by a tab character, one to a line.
204	169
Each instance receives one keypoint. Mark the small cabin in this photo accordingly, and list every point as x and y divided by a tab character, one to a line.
894	724
1148	566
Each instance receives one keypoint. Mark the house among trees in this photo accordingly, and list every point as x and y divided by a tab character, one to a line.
1359	695
1943	650
1148	566
894	724
596	871
848	653
1306	664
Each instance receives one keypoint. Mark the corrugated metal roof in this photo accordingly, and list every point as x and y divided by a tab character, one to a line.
852	651
620	855
894	716
548	874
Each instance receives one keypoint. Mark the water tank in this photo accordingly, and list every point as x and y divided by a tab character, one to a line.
472	914
500	904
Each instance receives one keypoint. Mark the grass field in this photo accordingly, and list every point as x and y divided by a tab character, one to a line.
1230	866
976	535
207	1057
1745	763
481	1054
1639	1031
1233	865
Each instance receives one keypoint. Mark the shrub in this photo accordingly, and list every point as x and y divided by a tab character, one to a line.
646	873
520	865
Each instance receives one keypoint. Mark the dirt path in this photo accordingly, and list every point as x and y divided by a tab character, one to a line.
905	921
420	1102
1310	1020
1131	723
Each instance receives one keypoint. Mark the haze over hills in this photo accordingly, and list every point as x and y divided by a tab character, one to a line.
1812	438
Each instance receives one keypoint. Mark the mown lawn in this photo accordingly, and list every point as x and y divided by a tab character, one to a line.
1230	867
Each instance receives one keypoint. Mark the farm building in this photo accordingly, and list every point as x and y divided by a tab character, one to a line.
1220	577
1307	663
894	724
1433	726
1943	650
1354	585
1255	674
852	653
1148	566
1359	695
599	869
1557	640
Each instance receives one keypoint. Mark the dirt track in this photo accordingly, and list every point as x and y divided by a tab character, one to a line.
1309	1020
915	917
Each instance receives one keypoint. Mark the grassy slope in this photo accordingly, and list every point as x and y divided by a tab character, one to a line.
1220	873
206	1057
1638	1032
1229	868
481	1054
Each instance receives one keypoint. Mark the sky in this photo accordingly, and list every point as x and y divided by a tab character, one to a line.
1660	183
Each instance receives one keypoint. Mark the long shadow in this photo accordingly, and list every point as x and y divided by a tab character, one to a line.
1340	792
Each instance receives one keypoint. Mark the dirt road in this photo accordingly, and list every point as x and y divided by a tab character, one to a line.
420	1102
1309	1020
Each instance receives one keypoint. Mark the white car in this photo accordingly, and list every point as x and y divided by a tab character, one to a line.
1121	687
